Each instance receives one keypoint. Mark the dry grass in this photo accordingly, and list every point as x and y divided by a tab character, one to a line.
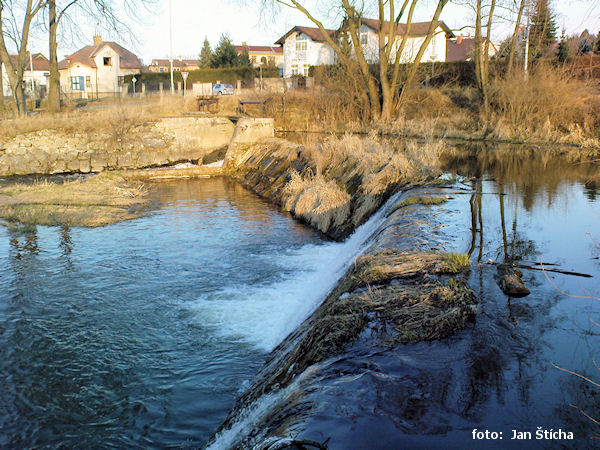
112	118
335	185
100	200
419	200
549	106
321	203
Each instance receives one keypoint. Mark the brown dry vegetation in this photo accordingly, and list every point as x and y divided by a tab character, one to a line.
99	200
552	106
336	184
422	304
114	118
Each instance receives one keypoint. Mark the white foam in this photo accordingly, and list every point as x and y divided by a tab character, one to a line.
264	315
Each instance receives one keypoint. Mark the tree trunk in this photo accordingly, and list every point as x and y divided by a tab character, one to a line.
513	40
54	87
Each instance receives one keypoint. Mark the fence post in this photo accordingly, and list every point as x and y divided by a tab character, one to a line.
179	88
160	88
143	89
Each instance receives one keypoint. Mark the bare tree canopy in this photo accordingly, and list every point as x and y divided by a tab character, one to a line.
384	87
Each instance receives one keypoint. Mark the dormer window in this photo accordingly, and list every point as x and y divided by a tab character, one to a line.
301	41
107	61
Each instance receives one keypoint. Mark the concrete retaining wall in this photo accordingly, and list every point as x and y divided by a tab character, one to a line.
165	142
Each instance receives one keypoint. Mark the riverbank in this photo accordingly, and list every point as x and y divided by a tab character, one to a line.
334	185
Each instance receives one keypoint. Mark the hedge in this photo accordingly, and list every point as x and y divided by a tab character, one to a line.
225	75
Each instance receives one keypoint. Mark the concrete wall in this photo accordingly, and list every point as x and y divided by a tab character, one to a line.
165	142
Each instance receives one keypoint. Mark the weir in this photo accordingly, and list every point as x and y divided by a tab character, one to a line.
165	142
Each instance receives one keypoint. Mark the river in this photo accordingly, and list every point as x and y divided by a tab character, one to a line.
143	333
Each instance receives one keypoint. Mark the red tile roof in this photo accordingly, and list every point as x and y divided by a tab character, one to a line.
259	49
460	49
86	56
40	62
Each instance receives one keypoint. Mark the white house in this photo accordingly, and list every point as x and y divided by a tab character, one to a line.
304	47
36	80
97	69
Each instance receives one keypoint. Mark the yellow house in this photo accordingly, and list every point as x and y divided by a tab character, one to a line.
97	69
263	55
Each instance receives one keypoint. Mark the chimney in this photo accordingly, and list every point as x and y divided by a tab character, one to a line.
97	40
459	39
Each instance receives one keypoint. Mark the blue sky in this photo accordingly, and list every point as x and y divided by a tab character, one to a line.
243	21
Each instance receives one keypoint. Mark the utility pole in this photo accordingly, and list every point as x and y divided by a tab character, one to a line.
171	44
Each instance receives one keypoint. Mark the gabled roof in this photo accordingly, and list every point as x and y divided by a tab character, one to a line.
164	62
40	62
416	28
259	49
85	56
313	33
461	49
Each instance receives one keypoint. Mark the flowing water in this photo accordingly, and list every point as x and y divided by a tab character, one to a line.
144	332
519	205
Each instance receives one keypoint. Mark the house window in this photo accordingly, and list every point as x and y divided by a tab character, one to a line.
294	69
77	83
107	61
301	41
121	80
161	69
263	60
364	38
305	71
88	82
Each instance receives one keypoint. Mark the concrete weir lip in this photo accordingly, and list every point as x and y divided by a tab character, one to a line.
165	142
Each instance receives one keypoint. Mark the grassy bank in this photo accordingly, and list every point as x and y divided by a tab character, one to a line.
550	107
335	184
96	201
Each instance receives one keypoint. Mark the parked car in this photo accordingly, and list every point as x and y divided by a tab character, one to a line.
222	89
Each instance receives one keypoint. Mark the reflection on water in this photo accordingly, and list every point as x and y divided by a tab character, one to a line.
102	342
527	206
508	203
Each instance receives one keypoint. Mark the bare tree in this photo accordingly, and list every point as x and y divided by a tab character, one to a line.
16	19
105	11
385	89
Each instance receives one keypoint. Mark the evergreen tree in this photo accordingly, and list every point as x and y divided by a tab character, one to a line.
244	57
206	55
563	49
543	28
597	45
585	43
225	54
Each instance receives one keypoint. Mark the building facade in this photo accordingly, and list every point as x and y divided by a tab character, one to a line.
97	70
36	79
304	47
179	65
263	55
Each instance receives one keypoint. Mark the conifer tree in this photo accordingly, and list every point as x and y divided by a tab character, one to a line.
563	49
225	54
206	55
244	57
543	28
